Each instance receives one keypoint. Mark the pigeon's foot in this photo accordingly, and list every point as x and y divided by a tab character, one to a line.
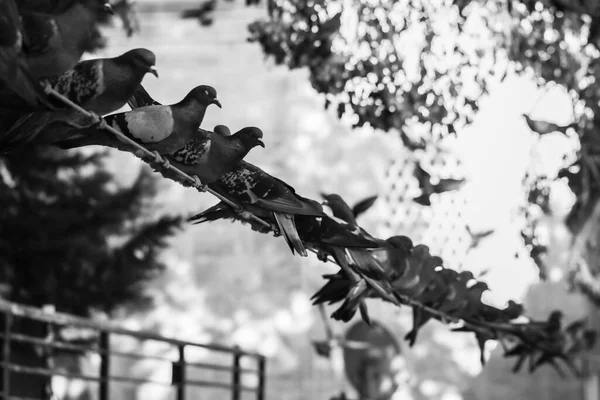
243	213
322	256
160	160
198	183
157	157
80	121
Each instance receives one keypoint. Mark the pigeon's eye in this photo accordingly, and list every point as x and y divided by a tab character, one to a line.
206	93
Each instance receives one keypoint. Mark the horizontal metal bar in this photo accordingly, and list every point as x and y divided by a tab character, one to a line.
66	319
43	342
218	367
11	397
220	385
61	345
47	372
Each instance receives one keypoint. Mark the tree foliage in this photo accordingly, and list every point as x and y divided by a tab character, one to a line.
71	237
419	68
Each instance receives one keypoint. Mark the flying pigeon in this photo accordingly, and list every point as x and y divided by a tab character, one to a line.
163	129
544	127
100	86
427	188
477	237
14	69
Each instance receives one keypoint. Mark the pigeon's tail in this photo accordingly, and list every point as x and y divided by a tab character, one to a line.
141	98
90	138
353	301
367	264
216	212
411	337
287	227
335	290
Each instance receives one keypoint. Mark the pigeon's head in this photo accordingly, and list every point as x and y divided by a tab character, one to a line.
401	243
466	276
222	130
250	136
205	94
482	286
332	198
142	60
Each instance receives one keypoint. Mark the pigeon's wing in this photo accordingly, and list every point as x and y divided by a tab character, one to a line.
149	124
83	82
254	186
363	205
141	98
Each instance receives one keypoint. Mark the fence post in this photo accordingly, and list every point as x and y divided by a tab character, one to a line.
235	377
6	356
104	365
181	387
260	393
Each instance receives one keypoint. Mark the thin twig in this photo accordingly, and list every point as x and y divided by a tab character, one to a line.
158	159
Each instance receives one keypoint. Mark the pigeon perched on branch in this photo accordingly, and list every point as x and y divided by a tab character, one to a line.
208	156
257	192
55	43
266	197
343	211
163	129
14	68
100	86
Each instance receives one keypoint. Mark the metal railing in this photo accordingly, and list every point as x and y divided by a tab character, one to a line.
100	344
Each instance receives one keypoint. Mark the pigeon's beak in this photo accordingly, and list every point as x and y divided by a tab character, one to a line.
217	103
108	8
260	143
153	71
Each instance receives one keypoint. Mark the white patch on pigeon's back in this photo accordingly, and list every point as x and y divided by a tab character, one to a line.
150	124
98	73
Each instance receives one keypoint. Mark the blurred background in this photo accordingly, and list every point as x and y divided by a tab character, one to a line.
512	222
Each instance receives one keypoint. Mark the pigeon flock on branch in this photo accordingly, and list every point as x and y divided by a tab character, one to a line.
48	98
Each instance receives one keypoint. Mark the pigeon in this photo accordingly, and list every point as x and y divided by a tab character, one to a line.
544	127
267	197
361	258
427	188
482	335
477	237
202	12
14	68
163	129
100	86
435	293
207	159
55	43
340	208
257	192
